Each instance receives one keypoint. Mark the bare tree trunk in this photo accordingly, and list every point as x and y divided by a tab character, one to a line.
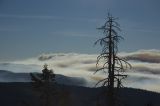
113	64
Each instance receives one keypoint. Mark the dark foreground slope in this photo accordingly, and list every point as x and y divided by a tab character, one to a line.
21	94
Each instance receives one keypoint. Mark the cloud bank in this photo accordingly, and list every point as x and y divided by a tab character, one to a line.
145	72
151	56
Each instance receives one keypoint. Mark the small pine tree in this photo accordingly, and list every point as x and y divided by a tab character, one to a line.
44	85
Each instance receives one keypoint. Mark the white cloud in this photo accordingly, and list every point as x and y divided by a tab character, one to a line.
152	56
84	65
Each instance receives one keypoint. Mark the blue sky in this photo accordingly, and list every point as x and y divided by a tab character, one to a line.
32	27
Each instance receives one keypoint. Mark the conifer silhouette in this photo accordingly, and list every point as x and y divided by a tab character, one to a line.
44	85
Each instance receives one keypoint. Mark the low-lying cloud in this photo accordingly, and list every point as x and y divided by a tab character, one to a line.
145	66
151	56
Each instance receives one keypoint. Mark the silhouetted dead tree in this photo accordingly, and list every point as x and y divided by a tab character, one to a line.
44	85
113	65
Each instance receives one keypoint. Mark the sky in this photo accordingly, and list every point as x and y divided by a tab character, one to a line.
32	27
62	33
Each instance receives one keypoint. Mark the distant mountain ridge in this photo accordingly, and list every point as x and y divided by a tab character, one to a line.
8	76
